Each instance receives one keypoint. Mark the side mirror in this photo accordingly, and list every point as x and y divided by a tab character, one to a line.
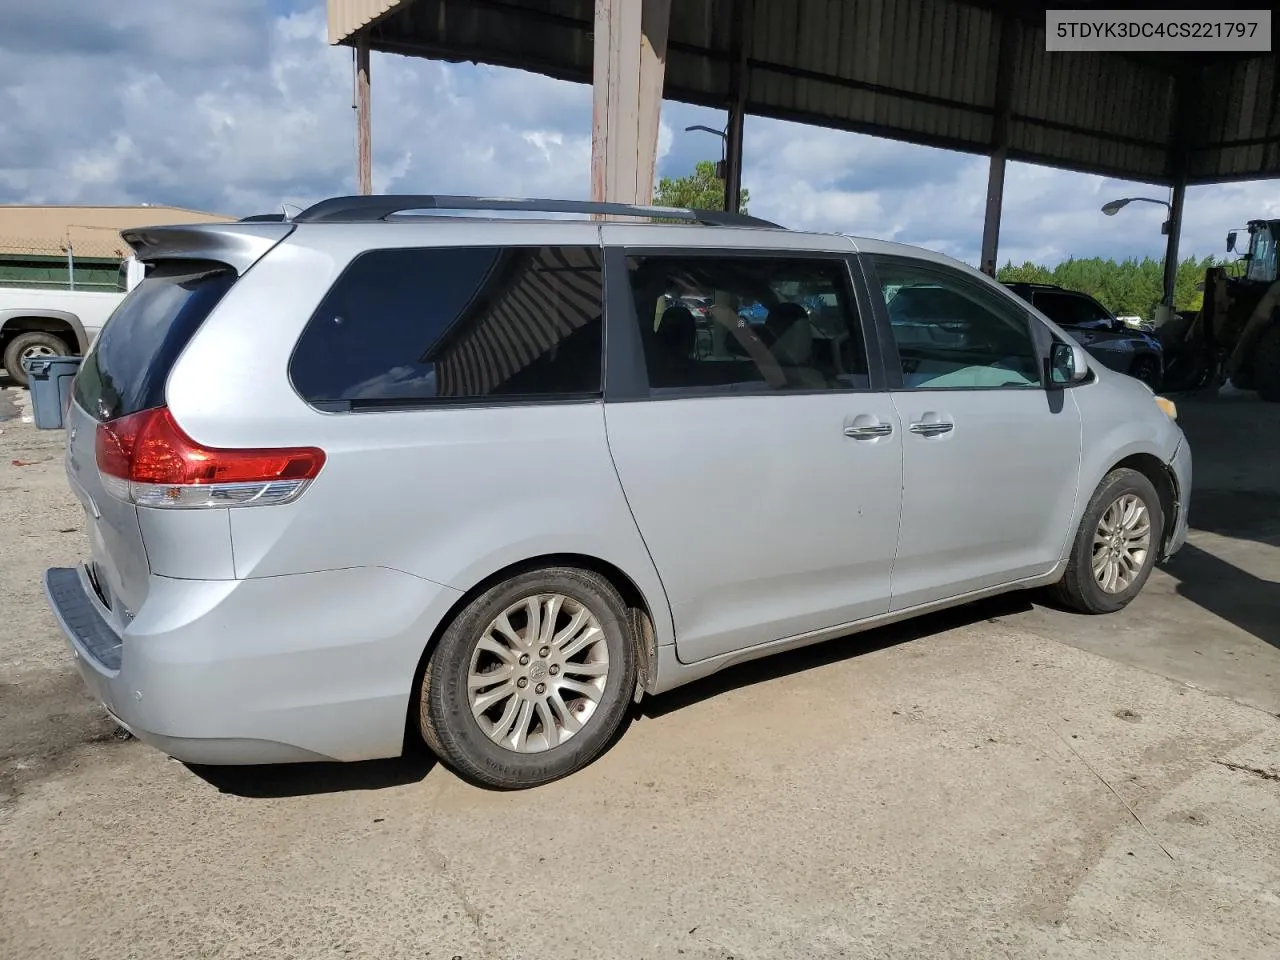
1068	363
1231	241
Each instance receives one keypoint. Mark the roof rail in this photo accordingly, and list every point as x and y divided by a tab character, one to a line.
264	218
367	209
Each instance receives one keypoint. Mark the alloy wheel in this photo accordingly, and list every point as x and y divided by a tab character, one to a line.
1121	543
537	673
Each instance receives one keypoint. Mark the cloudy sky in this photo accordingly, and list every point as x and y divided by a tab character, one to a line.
237	106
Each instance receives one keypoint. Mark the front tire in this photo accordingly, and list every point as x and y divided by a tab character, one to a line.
532	680
1115	548
33	343
1266	364
1146	369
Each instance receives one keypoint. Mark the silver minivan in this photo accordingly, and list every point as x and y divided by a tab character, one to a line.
490	478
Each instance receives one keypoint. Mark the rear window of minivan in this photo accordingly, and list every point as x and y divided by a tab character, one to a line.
455	325
126	368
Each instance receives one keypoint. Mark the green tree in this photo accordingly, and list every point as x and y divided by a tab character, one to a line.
1027	273
701	190
1127	288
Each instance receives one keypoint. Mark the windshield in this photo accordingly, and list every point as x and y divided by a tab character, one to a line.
1262	260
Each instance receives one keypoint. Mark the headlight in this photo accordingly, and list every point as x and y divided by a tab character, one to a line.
1168	406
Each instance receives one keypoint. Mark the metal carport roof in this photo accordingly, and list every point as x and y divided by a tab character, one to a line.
923	71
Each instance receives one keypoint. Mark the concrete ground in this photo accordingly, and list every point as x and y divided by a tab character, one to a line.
1003	780
1211	617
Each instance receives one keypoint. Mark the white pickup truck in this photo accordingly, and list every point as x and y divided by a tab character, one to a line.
46	323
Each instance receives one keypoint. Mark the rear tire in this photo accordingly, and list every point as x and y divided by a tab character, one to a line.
507	711
33	343
1183	370
1266	364
1110	541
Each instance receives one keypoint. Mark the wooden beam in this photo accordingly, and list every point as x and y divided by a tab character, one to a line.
655	19
629	66
364	138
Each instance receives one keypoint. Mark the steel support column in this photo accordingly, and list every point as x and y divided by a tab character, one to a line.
1174	225
629	66
733	156
364	139
1009	31
737	106
995	202
1184	92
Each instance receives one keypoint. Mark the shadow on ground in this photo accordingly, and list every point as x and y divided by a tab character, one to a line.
1239	514
8	408
1226	591
309	779
1234	495
818	655
1249	602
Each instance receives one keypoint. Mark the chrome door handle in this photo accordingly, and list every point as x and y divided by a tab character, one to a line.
867	431
931	428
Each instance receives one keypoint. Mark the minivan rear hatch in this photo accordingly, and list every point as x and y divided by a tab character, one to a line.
123	373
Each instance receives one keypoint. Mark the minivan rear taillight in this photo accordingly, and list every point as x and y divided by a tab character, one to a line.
146	458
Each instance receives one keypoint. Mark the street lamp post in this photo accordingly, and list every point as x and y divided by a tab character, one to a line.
1115	206
720	164
1171	227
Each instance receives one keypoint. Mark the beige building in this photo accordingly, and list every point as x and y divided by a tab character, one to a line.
63	246
38	230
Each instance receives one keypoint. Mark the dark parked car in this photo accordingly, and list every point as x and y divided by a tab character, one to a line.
1094	327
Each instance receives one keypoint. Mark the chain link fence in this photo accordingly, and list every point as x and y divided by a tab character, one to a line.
87	258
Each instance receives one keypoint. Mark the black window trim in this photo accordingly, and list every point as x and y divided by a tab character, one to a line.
411	404
627	380
1035	302
1078	294
1094	300
1097	303
889	350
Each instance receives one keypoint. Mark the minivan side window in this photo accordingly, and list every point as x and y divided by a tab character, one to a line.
455	325
721	323
951	332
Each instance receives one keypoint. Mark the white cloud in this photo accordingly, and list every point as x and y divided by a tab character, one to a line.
238	106
248	133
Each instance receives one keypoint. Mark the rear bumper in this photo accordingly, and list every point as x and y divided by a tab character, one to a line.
316	666
1181	467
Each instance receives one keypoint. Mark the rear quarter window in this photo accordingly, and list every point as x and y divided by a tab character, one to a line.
455	325
126	368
